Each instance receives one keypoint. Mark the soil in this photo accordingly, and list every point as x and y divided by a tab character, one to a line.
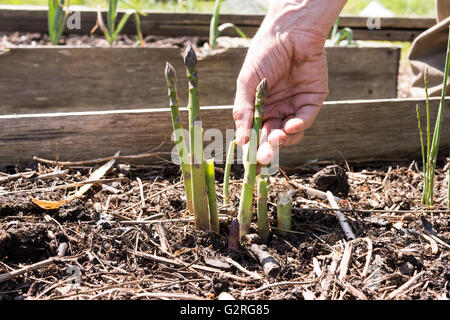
101	240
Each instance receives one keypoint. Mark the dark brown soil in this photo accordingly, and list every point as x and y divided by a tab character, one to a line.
114	256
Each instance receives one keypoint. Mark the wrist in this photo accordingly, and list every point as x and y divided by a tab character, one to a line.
316	16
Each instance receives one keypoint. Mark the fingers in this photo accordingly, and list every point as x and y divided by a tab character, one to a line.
302	120
244	105
266	150
282	133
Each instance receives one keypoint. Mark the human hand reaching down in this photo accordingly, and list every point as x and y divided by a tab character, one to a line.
288	50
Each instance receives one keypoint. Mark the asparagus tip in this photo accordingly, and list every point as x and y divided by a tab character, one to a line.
262	89
170	73
233	239
190	58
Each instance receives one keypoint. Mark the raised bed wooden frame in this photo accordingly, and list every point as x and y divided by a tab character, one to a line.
353	130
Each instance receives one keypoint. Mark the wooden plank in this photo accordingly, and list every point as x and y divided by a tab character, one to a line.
61	79
374	129
34	19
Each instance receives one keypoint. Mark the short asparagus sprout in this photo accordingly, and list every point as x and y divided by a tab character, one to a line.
226	176
198	176
284	216
212	198
245	205
263	221
180	142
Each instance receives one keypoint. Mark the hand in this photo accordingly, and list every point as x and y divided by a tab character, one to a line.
288	50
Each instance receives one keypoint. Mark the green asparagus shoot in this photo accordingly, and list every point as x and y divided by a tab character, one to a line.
263	221
198	176
180	142
212	198
226	176
250	165
284	216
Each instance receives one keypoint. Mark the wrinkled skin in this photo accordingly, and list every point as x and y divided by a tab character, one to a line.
288	50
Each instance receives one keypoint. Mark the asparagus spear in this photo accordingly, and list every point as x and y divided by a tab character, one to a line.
212	198
245	205
180	143
198	179
284	214
263	222
226	176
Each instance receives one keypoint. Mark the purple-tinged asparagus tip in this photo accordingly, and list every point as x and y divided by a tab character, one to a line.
262	89
170	73
190	58
233	238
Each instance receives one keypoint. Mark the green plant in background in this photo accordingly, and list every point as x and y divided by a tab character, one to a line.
215	30
250	163
57	17
338	36
429	162
112	29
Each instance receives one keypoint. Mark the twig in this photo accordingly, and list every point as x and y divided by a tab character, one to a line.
180	296
148	198
368	258
158	259
17	176
405	286
242	269
270	265
346	260
277	284
370	211
355	292
326	283
65	186
99	160
341	217
38	265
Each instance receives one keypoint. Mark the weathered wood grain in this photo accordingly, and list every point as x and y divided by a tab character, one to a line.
62	79
34	19
375	129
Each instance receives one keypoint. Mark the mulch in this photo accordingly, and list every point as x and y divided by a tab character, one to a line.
130	237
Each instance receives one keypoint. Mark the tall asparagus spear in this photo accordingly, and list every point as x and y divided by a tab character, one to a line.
212	198
198	178
180	143
245	205
226	176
